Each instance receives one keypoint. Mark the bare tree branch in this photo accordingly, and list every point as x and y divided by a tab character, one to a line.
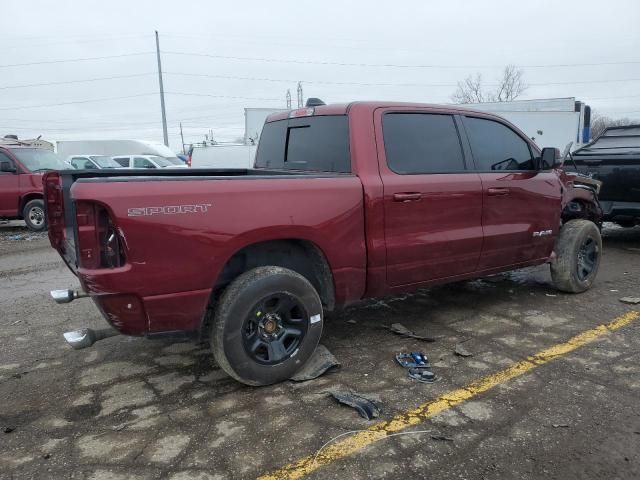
510	87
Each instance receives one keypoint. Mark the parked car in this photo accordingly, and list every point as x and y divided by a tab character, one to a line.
149	161
614	158
21	170
345	202
93	162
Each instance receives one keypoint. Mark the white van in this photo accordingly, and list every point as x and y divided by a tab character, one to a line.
149	161
149	151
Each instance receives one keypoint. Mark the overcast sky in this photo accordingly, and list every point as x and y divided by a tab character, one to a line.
402	50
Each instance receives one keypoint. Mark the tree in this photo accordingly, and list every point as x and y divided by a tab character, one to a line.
510	87
600	122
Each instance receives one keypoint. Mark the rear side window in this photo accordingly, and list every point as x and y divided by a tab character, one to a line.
319	144
422	143
496	147
124	161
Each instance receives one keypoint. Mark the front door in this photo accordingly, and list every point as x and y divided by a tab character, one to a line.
9	190
521	204
432	203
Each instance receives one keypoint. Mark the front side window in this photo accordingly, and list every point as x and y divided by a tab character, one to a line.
5	158
122	161
140	162
417	143
496	147
319	144
163	162
104	161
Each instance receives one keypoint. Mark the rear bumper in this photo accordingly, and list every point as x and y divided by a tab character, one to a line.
132	314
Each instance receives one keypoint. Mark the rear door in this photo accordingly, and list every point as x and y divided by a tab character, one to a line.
9	189
521	204
432	202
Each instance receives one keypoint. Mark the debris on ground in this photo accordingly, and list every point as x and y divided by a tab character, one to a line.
417	365
551	295
46	456
8	429
630	300
400	329
560	425
320	362
352	322
441	437
366	408
461	351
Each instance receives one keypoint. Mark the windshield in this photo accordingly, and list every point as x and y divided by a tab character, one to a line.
39	159
105	162
164	162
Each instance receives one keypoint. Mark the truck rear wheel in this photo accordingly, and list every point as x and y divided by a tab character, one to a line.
578	250
266	325
33	215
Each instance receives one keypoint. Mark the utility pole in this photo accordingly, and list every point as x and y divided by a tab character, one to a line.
164	115
182	138
288	99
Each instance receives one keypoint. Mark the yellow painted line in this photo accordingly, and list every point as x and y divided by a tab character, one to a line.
360	440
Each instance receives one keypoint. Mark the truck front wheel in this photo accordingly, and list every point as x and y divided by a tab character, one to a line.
266	325
33	215
578	251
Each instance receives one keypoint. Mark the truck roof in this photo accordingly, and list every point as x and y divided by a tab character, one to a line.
343	108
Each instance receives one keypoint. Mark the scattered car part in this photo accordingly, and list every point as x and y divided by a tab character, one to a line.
86	337
423	375
400	329
461	351
67	296
320	362
366	408
630	300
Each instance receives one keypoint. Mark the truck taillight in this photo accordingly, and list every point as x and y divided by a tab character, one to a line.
52	182
99	243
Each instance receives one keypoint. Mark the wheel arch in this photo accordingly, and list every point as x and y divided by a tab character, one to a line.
582	204
27	198
298	254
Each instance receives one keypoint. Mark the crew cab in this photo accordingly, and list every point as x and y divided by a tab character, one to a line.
21	169
614	159
148	161
344	202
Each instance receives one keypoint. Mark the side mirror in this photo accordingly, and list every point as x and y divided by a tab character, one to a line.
550	158
7	166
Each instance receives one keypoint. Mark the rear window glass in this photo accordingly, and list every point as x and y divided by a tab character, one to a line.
422	143
318	144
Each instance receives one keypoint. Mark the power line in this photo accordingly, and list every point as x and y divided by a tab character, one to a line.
21	107
323	82
389	65
221	96
85	59
67	82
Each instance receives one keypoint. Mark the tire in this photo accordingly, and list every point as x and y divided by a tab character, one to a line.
267	324
33	215
578	251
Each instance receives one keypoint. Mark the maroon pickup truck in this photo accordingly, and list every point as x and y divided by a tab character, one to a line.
21	169
345	202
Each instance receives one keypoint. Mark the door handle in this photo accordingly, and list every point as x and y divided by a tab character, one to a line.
407	197
498	191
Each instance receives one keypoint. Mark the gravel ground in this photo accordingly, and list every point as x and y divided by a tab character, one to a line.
131	408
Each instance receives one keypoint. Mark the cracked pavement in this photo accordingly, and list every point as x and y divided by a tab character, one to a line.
130	408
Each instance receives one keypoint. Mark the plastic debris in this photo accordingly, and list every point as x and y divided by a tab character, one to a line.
441	437
320	362
400	329
630	300
352	322
461	351
560	425
366	408
8	429
423	375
